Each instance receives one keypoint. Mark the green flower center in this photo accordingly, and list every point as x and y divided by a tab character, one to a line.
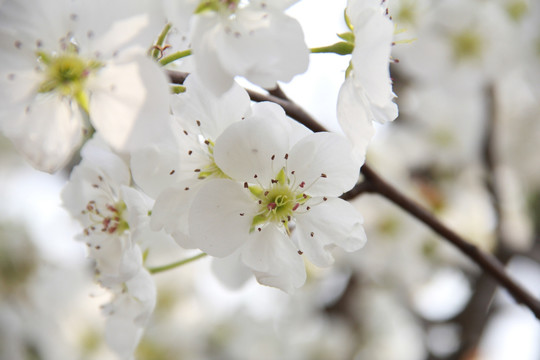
217	5
467	45
517	9
211	170
278	202
67	74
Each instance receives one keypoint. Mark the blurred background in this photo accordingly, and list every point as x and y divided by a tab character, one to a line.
465	145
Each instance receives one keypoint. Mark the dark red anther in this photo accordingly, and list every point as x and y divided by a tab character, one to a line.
302	184
295	206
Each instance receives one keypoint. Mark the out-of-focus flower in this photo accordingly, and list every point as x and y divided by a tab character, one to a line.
253	39
115	218
367	95
65	62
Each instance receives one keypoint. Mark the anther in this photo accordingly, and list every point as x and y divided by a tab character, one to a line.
172	172
295	206
242	214
273	157
197	170
325	198
312	234
198	123
300	252
323	175
190	152
185	132
246	185
255	176
302	184
286	156
186	188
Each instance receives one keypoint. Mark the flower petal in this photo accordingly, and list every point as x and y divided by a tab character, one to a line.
129	104
354	118
274	259
324	162
221	216
334	222
260	142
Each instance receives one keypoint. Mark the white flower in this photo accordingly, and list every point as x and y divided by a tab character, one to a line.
116	230
128	312
114	216
366	95
64	61
283	200
253	39
172	173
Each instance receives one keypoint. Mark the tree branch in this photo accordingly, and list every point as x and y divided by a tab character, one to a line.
374	183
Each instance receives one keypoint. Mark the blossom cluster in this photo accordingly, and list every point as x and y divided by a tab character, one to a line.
199	162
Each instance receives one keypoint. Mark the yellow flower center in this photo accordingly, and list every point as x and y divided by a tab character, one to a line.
67	74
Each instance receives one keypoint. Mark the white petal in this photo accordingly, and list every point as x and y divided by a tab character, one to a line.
334	222
274	259
214	113
246	148
97	154
47	133
263	45
231	271
128	314
155	168
171	211
328	154
129	104
371	55
216	223
354	118
212	73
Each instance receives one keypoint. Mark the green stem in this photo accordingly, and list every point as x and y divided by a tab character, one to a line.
341	48
158	269
174	56
160	40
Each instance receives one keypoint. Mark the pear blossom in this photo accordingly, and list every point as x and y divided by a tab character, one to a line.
281	200
172	172
128	313
116	230
63	63
254	39
366	95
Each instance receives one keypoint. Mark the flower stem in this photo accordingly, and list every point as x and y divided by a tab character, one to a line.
174	56
158	269
160	40
341	48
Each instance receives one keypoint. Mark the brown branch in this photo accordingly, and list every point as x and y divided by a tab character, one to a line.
486	261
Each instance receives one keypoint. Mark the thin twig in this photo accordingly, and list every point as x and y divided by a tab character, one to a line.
486	261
